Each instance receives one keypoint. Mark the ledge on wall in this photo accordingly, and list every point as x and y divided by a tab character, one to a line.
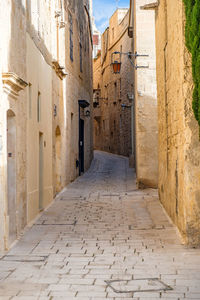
150	6
60	71
130	31
13	84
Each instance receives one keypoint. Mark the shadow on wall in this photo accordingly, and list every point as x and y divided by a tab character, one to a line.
16	122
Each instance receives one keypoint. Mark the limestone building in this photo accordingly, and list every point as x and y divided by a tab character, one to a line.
142	33
96	40
45	89
179	145
112	123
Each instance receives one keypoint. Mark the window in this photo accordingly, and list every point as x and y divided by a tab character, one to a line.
114	125
39	107
81	48
71	36
113	33
85	39
120	88
104	127
120	122
115	95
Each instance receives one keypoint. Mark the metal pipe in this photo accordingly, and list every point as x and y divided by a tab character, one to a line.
133	110
131	54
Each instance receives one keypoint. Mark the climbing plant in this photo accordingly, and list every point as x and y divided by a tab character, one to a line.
192	35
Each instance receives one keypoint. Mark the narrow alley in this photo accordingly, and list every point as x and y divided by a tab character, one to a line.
101	239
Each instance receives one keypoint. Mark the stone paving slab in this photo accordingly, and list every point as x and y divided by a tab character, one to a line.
99	229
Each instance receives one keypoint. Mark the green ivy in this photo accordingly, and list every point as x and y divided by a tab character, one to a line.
192	35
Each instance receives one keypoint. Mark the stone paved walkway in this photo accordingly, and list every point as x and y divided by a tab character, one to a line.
101	228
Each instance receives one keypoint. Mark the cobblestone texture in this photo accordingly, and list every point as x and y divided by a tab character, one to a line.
100	228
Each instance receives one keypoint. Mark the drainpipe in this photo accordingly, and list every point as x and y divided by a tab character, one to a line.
134	91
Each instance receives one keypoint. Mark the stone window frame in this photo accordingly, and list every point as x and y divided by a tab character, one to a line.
115	91
71	40
39	115
113	33
81	57
120	88
81	48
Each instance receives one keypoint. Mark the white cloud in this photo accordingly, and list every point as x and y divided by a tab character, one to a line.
103	26
103	10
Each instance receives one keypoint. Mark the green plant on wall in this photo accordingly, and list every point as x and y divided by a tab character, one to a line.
192	34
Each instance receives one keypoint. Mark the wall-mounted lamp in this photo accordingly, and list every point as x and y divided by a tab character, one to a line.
116	60
83	104
87	114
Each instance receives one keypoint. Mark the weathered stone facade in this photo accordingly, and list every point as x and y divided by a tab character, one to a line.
45	69
179	145
78	85
142	29
112	124
13	127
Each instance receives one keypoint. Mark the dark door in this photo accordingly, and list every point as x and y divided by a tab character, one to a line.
81	146
40	171
11	175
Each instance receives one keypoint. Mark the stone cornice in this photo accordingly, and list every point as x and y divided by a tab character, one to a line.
150	6
89	24
13	84
60	71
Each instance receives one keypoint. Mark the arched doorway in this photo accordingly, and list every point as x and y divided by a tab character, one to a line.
58	159
11	174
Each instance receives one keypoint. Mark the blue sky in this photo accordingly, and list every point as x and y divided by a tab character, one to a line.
103	10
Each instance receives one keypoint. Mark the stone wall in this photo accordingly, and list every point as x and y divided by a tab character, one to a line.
39	90
179	146
39	132
97	102
13	120
112	124
146	127
79	84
